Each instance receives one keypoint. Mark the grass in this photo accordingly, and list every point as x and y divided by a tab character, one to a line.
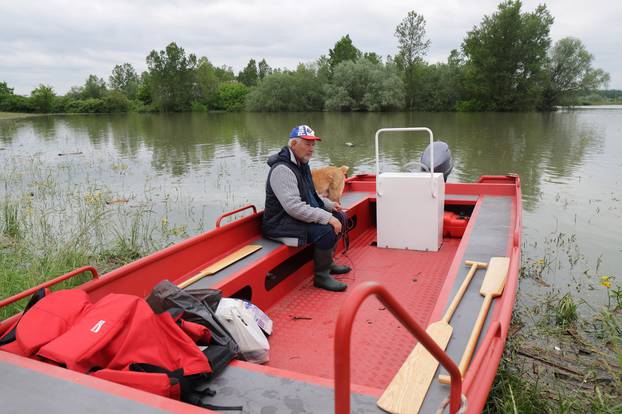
15	115
47	229
563	355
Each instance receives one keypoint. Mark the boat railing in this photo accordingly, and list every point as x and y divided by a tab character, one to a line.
343	332
231	213
49	283
410	129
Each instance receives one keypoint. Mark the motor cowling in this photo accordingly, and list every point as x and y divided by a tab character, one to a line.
443	162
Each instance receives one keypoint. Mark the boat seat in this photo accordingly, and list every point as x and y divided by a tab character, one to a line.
254	264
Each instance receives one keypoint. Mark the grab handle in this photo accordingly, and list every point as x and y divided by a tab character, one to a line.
49	283
235	212
413	129
343	336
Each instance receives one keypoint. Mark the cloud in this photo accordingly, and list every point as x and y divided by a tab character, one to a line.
60	42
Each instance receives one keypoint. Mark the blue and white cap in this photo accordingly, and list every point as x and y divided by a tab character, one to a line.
304	132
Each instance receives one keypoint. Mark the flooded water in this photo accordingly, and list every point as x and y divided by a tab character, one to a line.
184	170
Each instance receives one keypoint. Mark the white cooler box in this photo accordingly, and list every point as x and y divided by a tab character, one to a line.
408	216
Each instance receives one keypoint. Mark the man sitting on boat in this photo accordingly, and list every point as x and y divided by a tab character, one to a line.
296	215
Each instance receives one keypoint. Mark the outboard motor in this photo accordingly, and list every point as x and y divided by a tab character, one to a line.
443	163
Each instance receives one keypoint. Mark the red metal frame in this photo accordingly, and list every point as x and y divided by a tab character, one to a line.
49	283
235	212
343	331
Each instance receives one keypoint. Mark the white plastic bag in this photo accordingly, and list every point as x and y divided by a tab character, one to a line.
241	324
264	322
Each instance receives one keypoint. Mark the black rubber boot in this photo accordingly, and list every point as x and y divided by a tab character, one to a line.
322	279
336	269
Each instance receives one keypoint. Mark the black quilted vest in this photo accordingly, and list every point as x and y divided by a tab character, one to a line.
276	222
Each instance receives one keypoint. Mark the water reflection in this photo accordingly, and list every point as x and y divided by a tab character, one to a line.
531	144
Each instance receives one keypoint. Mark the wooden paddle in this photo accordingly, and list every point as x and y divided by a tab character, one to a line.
222	263
406	392
492	287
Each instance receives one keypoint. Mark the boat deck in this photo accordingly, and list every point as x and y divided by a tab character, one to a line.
305	319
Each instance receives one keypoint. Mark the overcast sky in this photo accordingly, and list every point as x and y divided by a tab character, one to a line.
59	43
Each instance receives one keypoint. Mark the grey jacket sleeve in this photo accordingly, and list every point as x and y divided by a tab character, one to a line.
285	187
329	205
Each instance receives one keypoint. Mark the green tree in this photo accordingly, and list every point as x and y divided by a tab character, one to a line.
264	68
372	57
364	86
143	92
569	70
124	79
344	50
323	69
75	92
225	73
249	75
412	47
206	81
94	88
505	57
171	78
6	95
42	98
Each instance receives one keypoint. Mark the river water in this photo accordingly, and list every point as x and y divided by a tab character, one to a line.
183	170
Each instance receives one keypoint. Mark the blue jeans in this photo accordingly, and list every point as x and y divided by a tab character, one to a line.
323	235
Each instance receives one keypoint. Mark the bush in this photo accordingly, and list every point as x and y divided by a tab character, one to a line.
231	96
18	103
364	86
116	101
198	107
472	105
287	91
86	106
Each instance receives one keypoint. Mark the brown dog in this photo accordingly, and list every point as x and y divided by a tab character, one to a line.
329	181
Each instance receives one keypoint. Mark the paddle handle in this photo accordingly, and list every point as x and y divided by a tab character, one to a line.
465	284
196	278
475	333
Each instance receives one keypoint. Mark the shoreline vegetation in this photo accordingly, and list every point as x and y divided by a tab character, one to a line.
506	63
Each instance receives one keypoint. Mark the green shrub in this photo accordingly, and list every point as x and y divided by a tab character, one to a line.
472	105
116	101
198	107
86	106
231	96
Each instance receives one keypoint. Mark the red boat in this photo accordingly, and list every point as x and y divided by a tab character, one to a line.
328	351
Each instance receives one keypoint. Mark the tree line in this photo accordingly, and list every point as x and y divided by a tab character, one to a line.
506	63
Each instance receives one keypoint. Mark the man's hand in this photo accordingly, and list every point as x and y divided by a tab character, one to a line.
337	206
336	224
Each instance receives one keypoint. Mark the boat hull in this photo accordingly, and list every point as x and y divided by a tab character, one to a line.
277	278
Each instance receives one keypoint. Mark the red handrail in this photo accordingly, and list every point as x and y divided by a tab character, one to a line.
234	212
343	333
49	283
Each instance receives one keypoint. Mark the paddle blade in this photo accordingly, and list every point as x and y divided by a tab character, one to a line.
407	390
494	280
222	263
